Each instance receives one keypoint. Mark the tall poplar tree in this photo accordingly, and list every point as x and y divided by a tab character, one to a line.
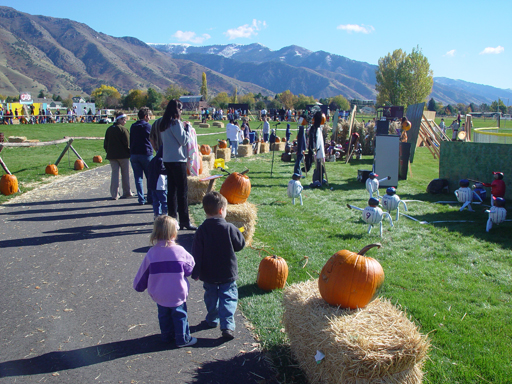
204	88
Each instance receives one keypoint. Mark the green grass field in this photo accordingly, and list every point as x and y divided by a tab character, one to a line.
453	279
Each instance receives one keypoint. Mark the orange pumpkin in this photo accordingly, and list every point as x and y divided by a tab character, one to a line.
97	159
223	144
272	273
236	188
205	149
283	140
8	184
79	165
322	120
351	280
51	169
277	140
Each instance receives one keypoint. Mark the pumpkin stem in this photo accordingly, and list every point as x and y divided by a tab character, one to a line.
368	247
244	172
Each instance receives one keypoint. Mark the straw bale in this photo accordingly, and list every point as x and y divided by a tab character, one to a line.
204	125
244	150
218	124
224	153
208	161
196	188
196	123
243	215
264	147
17	139
376	344
278	146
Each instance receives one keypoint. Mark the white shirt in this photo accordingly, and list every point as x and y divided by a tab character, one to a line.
232	132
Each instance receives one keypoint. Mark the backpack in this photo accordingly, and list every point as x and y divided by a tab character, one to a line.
438	186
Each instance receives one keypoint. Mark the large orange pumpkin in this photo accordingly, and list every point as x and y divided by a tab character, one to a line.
8	184
351	280
79	165
277	140
51	169
97	159
205	149
236	188
272	273
223	144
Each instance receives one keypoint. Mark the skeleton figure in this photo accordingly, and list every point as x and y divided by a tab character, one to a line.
373	214
372	183
497	213
391	201
464	195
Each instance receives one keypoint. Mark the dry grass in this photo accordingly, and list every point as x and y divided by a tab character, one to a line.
376	344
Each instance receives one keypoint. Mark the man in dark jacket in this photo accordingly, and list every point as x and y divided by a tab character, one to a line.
141	152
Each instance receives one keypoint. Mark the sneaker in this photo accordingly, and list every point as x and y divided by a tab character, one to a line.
192	341
228	334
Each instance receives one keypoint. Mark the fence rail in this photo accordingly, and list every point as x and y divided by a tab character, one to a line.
492	135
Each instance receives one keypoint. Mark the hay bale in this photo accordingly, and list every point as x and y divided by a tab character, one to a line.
196	123
264	147
257	147
16	139
218	124
204	125
224	153
197	189
376	344
277	146
208	160
243	215
244	150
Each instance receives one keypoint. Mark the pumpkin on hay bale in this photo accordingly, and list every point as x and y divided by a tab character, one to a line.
205	149
224	153
244	150
51	169
222	144
243	215
377	344
236	188
8	184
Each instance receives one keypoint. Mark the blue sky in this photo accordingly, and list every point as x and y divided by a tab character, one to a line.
467	40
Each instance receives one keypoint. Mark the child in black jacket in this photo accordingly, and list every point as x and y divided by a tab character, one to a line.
157	184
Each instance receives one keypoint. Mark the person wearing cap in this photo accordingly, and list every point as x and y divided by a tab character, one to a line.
372	183
117	146
497	213
497	186
295	188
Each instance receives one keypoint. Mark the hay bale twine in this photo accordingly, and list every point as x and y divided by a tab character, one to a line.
224	153
218	124
243	215
244	150
376	344
277	146
196	188
204	125
264	147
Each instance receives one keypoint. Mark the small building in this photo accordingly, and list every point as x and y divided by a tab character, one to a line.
78	100
193	103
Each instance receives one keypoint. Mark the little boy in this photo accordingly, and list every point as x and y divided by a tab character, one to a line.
157	184
214	247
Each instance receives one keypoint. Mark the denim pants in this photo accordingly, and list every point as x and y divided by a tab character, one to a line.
234	147
174	324
221	301
159	202
140	166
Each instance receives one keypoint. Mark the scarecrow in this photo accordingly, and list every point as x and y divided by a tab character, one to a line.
295	188
497	187
372	183
391	201
497	213
372	214
464	195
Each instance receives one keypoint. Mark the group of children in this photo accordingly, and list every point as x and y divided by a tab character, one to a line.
167	265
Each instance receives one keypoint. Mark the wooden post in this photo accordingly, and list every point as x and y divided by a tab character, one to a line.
352	116
64	152
5	167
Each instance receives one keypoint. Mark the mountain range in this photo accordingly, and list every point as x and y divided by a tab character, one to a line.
61	56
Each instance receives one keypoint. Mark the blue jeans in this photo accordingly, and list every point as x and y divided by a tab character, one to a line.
174	324
221	301
265	137
140	166
234	147
159	202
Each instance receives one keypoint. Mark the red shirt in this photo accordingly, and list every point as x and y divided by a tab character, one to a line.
497	188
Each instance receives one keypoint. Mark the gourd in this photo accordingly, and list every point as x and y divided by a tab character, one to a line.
79	165
97	159
223	144
351	280
8	184
51	169
236	188
272	273
205	149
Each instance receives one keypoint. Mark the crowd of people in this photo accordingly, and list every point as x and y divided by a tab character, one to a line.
34	115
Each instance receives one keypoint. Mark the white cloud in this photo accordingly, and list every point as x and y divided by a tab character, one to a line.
356	28
450	53
190	37
246	30
491	50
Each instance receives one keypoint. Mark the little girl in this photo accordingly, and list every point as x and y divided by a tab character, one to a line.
163	272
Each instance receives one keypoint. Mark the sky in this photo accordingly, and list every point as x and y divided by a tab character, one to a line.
467	40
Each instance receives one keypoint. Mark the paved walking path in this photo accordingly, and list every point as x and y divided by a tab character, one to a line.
68	312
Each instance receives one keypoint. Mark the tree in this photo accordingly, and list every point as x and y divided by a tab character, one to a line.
135	99
339	102
498	106
106	96
154	99
220	101
275	104
234	99
41	94
248	99
287	99
303	101
204	88
432	105
174	92
474	107
484	107
403	79
260	104
68	102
